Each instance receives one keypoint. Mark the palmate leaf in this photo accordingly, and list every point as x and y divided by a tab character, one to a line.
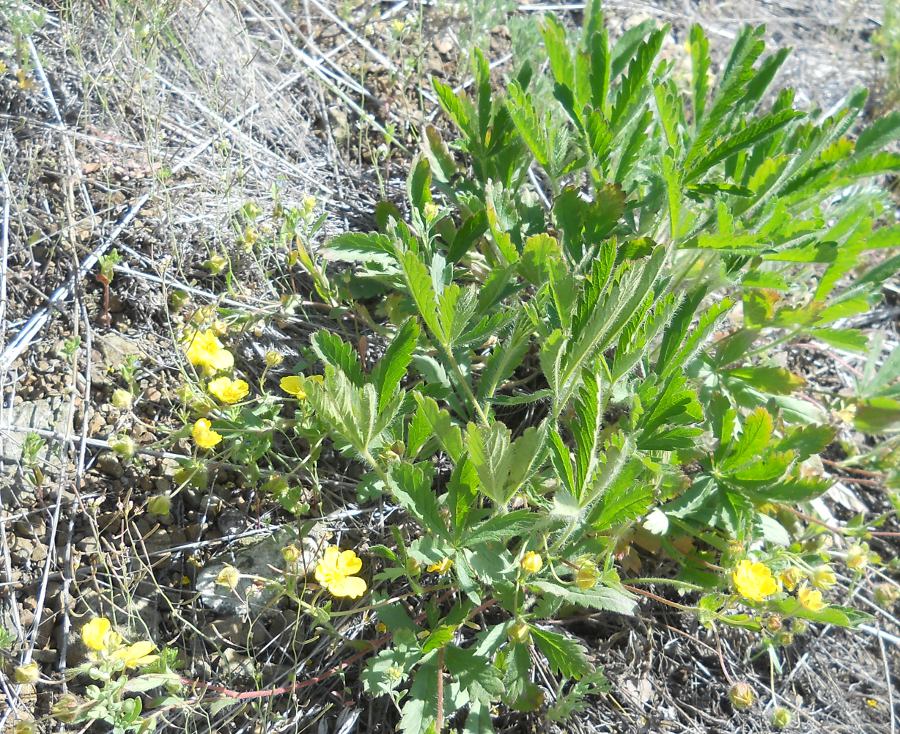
410	484
748	136
567	656
601	597
360	247
633	86
754	439
334	351
440	425
505	358
418	281
391	368
532	129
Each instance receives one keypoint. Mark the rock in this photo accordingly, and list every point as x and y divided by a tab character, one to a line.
110	465
254	561
232	522
49	414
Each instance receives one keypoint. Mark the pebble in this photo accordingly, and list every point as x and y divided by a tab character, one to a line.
111	466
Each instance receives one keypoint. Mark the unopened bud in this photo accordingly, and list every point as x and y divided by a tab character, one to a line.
160	504
65	709
784	638
886	595
291	554
216	263
858	556
781	718
123	446
273	358
587	575
799	626
228	577
122	399
741	696
519	633
30	673
774	622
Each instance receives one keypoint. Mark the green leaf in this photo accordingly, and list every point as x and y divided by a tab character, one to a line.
877	415
599	597
391	368
418	281
879	134
491	455
772	380
441	426
501	528
410	484
852	340
334	351
504	359
567	656
748	136
359	247
753	441
700	63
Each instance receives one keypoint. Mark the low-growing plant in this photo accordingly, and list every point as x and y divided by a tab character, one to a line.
577	320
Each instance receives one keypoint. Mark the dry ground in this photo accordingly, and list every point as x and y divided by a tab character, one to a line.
144	128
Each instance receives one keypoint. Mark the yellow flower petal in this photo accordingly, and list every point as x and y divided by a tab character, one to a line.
754	580
351	587
293	385
348	563
94	633
203	349
228	390
136	655
531	562
811	599
203	434
441	566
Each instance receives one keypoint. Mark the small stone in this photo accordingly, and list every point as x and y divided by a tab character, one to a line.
111	466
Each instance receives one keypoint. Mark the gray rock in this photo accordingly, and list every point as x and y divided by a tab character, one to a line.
49	414
256	562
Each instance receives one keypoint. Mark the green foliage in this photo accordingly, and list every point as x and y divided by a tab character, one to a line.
577	321
664	208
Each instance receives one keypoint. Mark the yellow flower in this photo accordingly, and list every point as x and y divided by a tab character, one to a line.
136	655
858	556
790	577
586	576
229	577
823	577
204	436
293	385
204	350
810	599
441	566
228	390
754	580
531	562
93	634
336	572
273	358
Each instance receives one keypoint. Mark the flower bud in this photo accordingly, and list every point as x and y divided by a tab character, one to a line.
27	674
781	718
178	300
784	638
413	567
431	211
799	626
886	595
160	504
741	695
273	358
309	204
774	622
122	399
531	562
519	633
587	575
65	709
216	264
123	446
858	556
291	554
228	577
24	727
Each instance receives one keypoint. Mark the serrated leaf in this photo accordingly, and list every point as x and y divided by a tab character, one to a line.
599	597
391	368
334	351
754	438
360	247
772	380
501	528
567	656
441	426
411	486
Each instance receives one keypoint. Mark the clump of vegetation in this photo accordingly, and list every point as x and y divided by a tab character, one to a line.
577	316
